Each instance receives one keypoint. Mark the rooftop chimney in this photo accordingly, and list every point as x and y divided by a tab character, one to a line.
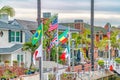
4	18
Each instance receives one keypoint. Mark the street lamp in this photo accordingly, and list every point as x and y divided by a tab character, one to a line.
73	45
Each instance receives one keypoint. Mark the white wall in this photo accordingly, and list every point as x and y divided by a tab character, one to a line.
4	40
23	37
6	57
28	59
26	56
4	43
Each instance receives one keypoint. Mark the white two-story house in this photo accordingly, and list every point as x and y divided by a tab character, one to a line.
12	36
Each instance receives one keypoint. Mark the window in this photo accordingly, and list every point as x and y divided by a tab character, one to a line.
20	58
15	36
101	37
88	36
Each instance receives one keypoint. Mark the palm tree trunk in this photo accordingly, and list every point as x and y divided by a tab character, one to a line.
31	64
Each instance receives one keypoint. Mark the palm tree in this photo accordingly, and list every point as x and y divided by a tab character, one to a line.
31	48
101	45
7	10
82	38
114	41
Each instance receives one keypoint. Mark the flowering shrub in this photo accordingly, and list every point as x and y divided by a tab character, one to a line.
11	72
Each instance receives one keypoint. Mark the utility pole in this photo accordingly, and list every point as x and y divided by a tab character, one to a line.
92	35
39	22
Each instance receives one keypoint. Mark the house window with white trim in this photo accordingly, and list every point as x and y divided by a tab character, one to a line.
20	58
15	36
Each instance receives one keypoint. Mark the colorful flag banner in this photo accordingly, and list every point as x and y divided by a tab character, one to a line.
37	54
53	42
54	24
37	35
51	45
64	55
63	38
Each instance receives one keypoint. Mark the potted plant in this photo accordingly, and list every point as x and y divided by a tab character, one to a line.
12	76
6	62
28	72
3	78
101	63
117	60
15	63
33	70
22	64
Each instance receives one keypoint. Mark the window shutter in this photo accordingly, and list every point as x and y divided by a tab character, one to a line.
21	58
21	36
9	35
18	58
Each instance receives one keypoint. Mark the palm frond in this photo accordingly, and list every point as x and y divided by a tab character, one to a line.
7	10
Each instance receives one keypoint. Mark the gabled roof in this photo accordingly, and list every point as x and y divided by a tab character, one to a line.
7	26
67	24
62	28
29	25
10	49
96	29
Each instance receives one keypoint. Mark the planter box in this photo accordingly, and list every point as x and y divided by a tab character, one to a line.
3	79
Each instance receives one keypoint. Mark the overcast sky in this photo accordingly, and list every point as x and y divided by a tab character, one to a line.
68	10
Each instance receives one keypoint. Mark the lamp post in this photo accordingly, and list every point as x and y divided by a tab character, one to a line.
92	35
73	45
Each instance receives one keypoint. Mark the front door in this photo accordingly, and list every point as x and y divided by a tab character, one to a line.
20	59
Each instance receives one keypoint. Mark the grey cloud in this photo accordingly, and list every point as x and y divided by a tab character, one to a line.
28	4
73	5
70	6
102	22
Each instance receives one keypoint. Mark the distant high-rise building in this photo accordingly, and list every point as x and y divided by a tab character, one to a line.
46	15
79	24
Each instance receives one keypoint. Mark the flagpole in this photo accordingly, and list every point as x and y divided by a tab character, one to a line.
108	34
92	35
39	22
109	49
57	49
69	47
57	55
